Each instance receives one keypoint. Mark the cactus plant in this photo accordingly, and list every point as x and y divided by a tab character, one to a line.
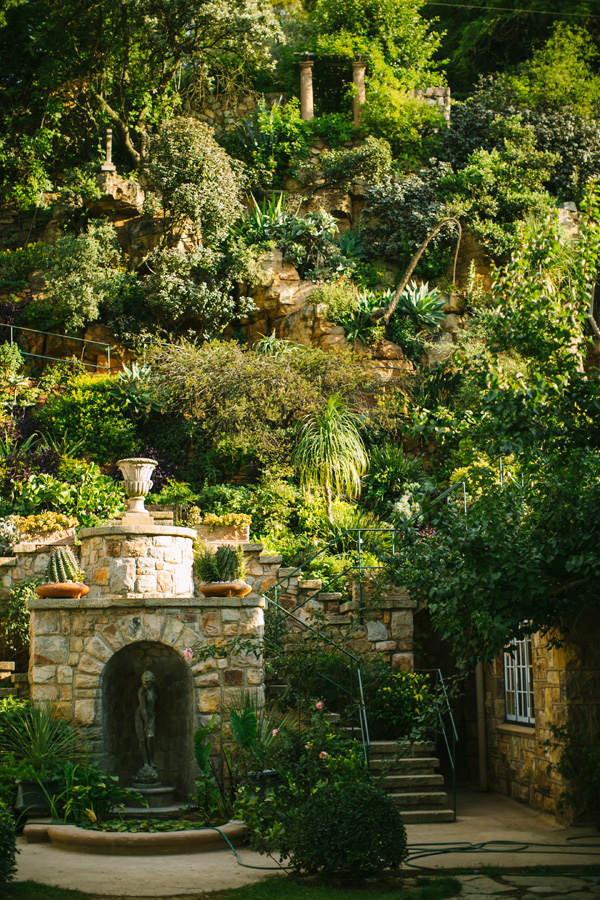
63	567
223	564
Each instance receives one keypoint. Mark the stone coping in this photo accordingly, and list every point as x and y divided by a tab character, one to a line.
137	601
150	527
83	840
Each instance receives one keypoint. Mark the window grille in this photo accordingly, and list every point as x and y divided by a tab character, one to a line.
518	682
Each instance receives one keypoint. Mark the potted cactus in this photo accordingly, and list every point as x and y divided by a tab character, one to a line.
220	571
64	578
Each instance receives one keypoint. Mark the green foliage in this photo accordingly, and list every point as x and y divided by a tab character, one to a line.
578	763
498	187
63	566
11	360
89	412
14	615
351	829
86	794
195	291
561	76
82	273
16	265
8	849
371	160
398	217
81	490
194	180
352	309
271	141
395	30
390	470
246	412
413	129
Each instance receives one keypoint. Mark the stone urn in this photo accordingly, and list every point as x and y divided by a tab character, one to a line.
137	476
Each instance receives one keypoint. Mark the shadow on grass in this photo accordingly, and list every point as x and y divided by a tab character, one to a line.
274	888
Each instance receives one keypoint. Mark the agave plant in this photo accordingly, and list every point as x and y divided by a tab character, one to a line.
423	305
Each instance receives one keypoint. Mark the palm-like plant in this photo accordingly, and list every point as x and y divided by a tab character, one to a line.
331	453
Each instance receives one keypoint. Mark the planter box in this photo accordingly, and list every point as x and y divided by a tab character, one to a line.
223	534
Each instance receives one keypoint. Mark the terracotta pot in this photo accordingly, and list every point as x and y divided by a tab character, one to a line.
74	589
225	589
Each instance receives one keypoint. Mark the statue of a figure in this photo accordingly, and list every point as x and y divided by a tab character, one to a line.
145	718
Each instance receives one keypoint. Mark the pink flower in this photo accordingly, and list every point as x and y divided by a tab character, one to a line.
188	653
275	732
323	754
319	705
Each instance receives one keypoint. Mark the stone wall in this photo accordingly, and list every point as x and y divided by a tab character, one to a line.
362	622
566	683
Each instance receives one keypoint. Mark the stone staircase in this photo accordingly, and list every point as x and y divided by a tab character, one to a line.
12	684
409	775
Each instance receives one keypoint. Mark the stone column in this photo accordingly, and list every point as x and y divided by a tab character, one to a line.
108	165
307	110
359	67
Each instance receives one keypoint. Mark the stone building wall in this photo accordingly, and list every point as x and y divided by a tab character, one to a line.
566	683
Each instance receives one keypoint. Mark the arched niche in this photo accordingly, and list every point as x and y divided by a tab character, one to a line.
121	680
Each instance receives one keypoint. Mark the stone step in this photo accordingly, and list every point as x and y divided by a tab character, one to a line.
405	749
397	783
420	799
7	692
426	816
422	765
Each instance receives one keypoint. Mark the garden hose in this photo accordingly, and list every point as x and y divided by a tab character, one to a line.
421	851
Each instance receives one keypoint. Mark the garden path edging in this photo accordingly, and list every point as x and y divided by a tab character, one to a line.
83	840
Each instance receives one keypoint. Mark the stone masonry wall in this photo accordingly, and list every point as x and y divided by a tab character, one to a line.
566	683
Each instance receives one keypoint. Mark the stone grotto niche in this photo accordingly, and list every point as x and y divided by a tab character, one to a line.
121	679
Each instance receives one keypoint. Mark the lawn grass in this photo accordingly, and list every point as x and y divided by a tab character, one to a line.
275	888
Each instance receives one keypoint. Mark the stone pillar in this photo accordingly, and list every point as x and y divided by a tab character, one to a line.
108	165
307	110
359	67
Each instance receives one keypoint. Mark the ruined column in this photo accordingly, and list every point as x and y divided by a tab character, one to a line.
108	165
306	90
359	67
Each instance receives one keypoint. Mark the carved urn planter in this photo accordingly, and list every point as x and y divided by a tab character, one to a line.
137	477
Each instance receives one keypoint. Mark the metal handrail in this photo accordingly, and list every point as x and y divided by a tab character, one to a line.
62	337
441	692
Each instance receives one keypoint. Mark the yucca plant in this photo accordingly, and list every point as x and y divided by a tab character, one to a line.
39	739
331	452
63	567
222	564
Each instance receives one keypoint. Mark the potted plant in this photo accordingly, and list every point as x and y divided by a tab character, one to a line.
220	571
231	527
39	742
64	578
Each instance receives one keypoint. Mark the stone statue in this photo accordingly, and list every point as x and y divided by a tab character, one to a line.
145	725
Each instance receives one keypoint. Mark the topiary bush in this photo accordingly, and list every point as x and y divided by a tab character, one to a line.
347	828
8	850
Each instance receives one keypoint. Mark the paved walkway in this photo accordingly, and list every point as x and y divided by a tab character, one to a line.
490	831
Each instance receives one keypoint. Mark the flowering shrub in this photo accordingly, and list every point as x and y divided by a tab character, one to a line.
44	523
228	520
400	705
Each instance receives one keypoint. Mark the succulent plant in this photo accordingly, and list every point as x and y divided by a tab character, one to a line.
63	567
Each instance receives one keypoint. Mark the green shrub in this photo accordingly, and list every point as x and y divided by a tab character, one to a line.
11	359
86	794
89	412
372	160
16	265
351	828
8	850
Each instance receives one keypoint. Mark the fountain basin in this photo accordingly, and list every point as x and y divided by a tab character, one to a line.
83	840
